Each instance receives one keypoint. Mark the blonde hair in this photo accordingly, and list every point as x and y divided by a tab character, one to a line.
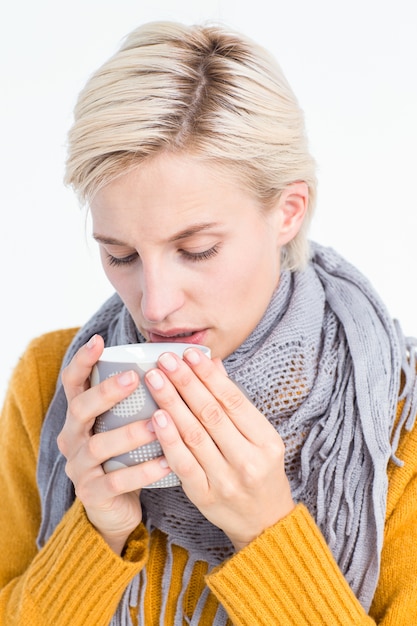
198	89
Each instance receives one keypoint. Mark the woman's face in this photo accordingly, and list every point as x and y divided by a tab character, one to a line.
192	255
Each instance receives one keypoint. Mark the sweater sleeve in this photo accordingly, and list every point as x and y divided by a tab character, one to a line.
298	581
75	567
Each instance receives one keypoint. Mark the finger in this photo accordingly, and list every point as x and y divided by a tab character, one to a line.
86	464
103	446
187	454
202	424
104	396
208	433
76	375
84	408
213	397
219	364
192	406
234	402
137	477
94	489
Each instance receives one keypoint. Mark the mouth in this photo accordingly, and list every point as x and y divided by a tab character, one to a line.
177	336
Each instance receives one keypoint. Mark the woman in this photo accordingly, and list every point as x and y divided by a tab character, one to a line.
189	148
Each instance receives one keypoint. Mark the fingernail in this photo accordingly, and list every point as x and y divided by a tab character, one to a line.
91	342
193	356
150	427
155	379
168	361
161	419
163	463
126	378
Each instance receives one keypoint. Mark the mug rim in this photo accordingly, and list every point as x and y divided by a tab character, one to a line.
146	352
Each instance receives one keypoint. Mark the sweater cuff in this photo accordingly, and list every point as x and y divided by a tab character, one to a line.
288	576
77	573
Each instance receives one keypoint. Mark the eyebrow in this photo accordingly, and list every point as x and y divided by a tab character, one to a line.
194	229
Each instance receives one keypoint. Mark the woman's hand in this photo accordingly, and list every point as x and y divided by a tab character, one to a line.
111	500
229	458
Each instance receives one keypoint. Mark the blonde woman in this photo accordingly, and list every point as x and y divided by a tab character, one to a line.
295	444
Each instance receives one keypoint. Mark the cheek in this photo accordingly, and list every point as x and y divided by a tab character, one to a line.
110	273
256	270
107	269
125	283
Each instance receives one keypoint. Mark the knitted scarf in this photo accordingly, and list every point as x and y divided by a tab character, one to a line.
324	367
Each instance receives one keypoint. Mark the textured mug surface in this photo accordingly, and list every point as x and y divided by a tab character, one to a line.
139	405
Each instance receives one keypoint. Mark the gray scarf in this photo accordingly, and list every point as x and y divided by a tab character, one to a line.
323	366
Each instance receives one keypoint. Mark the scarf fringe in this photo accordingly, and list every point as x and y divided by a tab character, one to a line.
327	331
408	396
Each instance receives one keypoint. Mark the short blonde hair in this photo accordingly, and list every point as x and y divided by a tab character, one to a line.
199	89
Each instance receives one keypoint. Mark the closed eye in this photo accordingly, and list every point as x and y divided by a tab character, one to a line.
115	261
204	255
200	256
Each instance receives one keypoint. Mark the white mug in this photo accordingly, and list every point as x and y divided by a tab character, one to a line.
139	405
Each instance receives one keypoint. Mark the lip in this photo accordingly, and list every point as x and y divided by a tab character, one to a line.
174	336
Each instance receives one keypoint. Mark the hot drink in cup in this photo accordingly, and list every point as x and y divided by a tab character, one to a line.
139	405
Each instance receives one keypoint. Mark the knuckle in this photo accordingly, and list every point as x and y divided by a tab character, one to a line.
62	444
171	401
194	437
257	467
184	468
66	376
229	490
131	433
148	473
185	377
276	447
114	482
95	448
252	474
211	415
280	446
232	400
109	392
68	470
75	407
83	492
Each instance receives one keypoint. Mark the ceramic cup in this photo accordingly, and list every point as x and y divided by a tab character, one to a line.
139	405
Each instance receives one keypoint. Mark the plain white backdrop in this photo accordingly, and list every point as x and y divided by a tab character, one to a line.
353	68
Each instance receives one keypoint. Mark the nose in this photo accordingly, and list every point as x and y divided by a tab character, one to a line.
161	294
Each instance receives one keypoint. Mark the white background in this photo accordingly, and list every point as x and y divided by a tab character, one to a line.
353	66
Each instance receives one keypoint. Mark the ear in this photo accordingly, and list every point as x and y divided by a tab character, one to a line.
291	210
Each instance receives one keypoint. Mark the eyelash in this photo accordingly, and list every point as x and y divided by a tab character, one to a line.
115	261
200	256
194	257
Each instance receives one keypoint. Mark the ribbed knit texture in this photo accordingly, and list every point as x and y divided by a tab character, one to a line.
77	568
291	557
323	366
75	547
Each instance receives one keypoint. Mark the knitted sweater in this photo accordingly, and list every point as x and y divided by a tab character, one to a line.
286	576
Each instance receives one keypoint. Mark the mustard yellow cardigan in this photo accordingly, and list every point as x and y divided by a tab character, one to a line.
287	576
